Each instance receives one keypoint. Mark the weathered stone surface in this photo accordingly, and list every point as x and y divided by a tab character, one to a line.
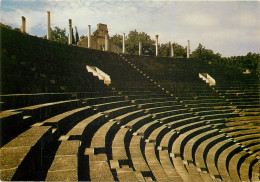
66	160
69	147
7	175
126	174
12	157
100	171
96	158
68	175
62	163
14	153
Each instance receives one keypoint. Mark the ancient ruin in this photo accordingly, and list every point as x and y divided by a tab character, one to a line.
73	113
98	40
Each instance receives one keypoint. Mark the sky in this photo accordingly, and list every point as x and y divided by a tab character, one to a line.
231	28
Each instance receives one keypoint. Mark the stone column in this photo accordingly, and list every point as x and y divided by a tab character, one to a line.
140	48
188	49
70	31
48	25
89	36
123	43
106	43
156	51
23	28
172	53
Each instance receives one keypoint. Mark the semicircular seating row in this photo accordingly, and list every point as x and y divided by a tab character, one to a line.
133	135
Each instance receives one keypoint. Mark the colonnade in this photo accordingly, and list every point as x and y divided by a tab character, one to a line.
23	30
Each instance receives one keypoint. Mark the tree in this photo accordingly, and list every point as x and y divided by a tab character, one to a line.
132	43
250	61
204	54
179	51
82	37
164	50
117	40
58	35
6	26
197	53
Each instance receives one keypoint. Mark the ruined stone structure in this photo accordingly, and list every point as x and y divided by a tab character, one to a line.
123	117
98	42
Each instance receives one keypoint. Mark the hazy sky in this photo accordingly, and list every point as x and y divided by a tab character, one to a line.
229	27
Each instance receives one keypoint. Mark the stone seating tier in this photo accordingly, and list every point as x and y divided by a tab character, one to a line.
24	153
148	124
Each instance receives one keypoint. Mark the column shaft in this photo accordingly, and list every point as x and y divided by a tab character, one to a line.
89	36
156	51
23	28
106	43
188	49
123	43
172	52
140	48
70	31
48	25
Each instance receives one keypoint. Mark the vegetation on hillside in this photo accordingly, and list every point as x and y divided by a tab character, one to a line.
132	42
9	27
250	61
58	35
204	54
148	45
